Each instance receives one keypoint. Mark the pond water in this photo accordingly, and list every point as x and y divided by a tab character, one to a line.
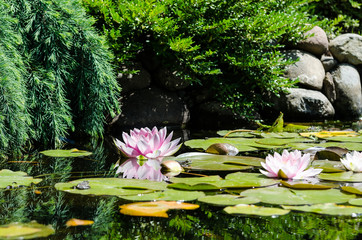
46	205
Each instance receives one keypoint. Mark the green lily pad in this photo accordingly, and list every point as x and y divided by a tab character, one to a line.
112	186
255	210
167	195
247	180
242	144
211	162
355	139
14	179
286	196
227	200
306	185
196	183
329	166
356	146
236	133
25	230
328	209
66	153
281	135
331	153
355	189
356	201
341	176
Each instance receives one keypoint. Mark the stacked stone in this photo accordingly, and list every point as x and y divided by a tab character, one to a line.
329	78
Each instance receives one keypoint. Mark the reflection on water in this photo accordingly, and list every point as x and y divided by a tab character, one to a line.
46	205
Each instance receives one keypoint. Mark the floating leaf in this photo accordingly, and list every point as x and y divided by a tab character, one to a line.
355	139
286	196
356	146
247	180
328	209
154	209
78	222
237	133
341	176
222	149
328	134
331	153
255	210
307	185
14	179
227	200
242	144
278	142
196	183
66	153
356	201
329	166
167	195
112	186
353	189
211	162
25	230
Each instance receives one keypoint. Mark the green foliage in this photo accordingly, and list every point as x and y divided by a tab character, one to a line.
344	15
56	74
232	47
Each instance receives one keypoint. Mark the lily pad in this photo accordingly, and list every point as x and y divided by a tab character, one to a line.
112	186
353	189
307	185
211	162
196	183
355	139
14	179
356	201
341	176
356	146
242	144
227	200
286	196
329	166
25	230
236	133
167	195
329	134
247	180
331	153
328	209
66	153
255	210
154	209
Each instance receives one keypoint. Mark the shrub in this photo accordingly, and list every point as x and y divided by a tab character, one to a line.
232	46
56	72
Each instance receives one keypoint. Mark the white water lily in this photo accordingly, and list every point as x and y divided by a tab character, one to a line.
353	161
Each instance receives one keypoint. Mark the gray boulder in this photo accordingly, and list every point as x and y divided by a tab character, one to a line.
304	105
152	107
316	43
328	62
329	90
134	81
309	69
348	103
347	48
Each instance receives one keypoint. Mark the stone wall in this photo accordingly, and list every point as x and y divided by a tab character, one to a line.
329	87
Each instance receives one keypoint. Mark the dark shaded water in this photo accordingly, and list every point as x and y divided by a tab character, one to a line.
53	207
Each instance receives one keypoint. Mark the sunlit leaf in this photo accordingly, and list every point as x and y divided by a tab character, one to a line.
236	133
356	201
66	153
341	176
307	185
247	180
255	210
227	200
196	183
29	230
329	166
112	186
328	134
242	144
167	195
211	162
286	196
154	209
328	209
353	189
15	179
356	146
78	222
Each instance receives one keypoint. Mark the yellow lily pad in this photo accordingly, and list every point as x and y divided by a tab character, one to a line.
78	222
328	134
154	209
25	230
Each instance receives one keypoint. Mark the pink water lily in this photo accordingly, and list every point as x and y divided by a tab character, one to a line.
353	161
142	169
289	165
148	143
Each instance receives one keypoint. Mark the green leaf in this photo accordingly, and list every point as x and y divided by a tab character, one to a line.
227	200
329	166
286	196
247	180
353	189
66	153
328	209
167	195
341	176
356	201
29	230
255	210
10	178
307	185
